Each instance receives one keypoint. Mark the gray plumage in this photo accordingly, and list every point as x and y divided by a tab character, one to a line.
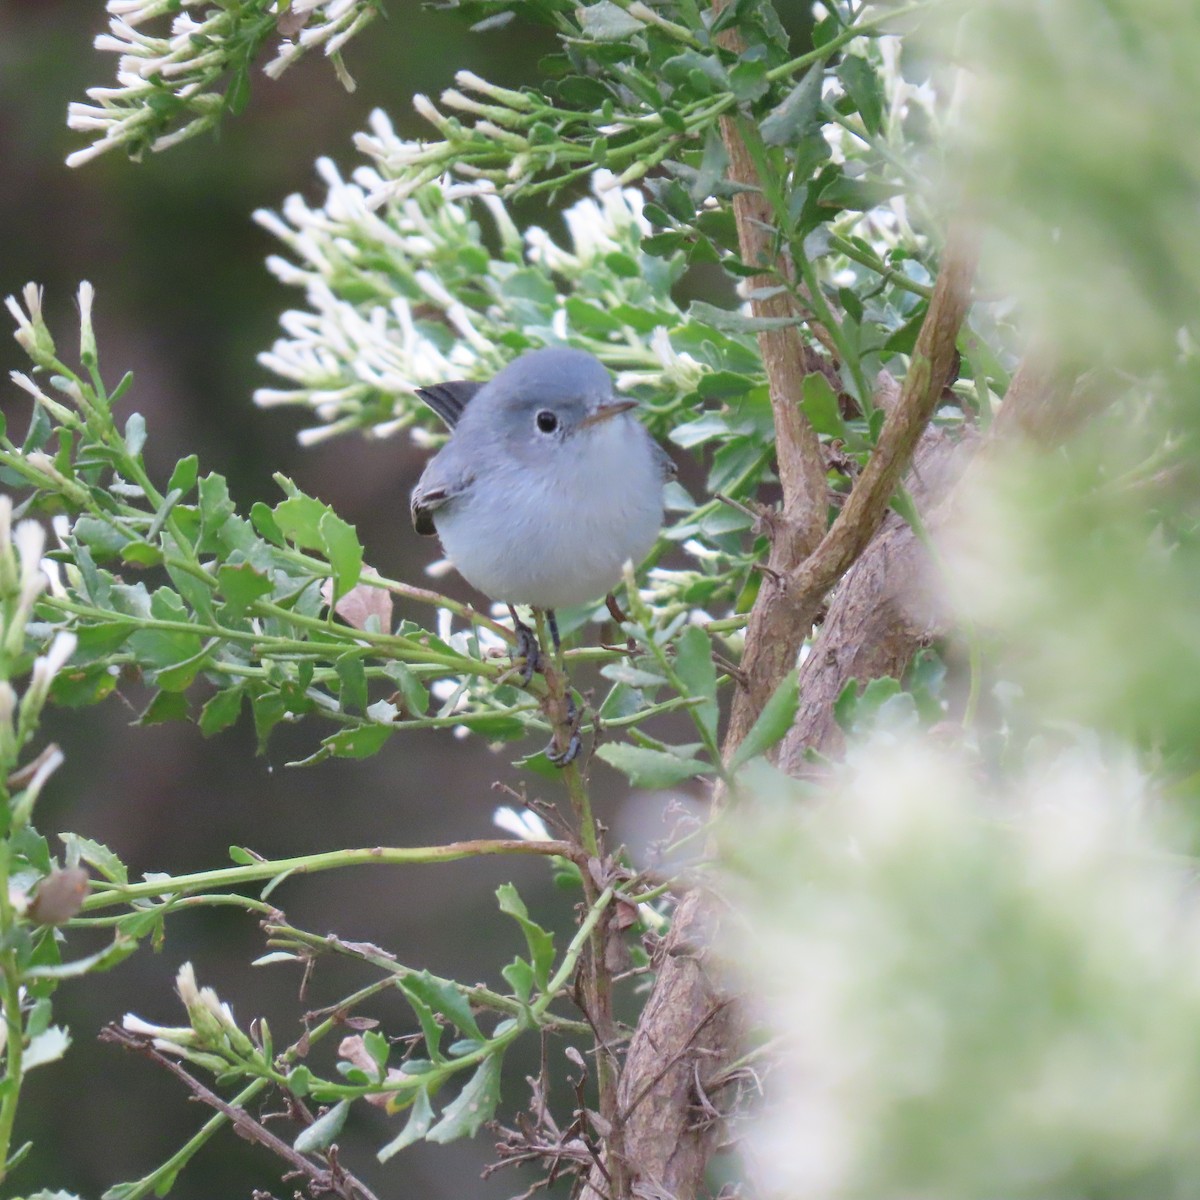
547	485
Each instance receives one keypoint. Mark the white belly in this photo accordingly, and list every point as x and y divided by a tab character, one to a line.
558	532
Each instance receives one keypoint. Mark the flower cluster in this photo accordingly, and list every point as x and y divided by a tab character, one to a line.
174	85
23	579
403	291
965	1006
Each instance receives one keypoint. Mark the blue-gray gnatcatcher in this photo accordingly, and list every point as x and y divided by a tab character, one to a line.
547	486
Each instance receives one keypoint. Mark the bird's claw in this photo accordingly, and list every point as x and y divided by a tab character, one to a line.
561	758
528	649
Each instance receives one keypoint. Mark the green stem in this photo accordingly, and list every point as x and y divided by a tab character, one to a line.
14	1047
108	895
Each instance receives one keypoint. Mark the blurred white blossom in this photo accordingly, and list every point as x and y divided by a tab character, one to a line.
978	990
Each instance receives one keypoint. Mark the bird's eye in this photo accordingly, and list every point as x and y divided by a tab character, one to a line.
547	422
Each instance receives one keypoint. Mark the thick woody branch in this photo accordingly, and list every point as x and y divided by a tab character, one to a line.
787	606
886	606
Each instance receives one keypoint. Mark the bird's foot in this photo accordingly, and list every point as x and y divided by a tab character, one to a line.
526	648
570	752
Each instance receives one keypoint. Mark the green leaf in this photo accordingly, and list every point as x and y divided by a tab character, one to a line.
788	122
607	22
117	951
651	768
844	706
474	1105
221	710
494	726
322	1133
419	1121
730	320
95	854
99	536
412	690
694	666
862	86
166	706
821	407
141	554
443	998
539	941
358	743
183	478
748	81
859	195
339	542
519	976
241	585
773	722
353	677
263	520
299	520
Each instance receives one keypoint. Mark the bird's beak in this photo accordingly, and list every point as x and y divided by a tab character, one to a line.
613	408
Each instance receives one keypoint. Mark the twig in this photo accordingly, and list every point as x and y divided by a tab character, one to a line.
335	1180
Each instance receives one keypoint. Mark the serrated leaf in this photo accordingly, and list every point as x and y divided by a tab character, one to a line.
773	722
650	768
298	519
222	710
607	22
352	695
444	999
322	1133
519	975
95	854
358	743
862	86
821	406
339	542
241	585
694	666
539	941
166	706
748	81
419	1121
789	121
474	1105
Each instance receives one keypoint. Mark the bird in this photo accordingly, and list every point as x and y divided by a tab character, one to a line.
547	486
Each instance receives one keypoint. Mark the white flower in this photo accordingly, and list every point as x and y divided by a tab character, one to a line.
526	825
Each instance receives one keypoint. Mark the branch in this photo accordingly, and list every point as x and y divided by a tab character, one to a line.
801	520
785	609
885	607
182	885
666	1149
334	1180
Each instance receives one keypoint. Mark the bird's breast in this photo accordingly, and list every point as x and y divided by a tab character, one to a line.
555	530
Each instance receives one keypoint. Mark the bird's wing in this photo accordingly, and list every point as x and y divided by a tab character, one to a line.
449	399
442	480
666	464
